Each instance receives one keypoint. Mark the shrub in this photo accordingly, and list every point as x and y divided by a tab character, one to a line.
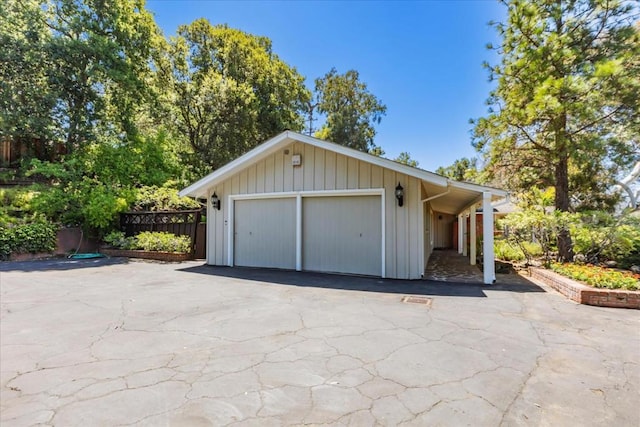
600	236
162	198
599	277
507	252
164	242
33	237
118	240
150	241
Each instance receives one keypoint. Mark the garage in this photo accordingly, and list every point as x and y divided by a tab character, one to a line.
265	233
300	203
342	234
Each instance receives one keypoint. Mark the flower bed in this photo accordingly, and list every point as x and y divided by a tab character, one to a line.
584	294
599	277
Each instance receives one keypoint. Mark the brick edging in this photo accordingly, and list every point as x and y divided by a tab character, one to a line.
584	294
158	256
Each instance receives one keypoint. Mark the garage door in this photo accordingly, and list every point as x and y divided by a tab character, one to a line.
342	234
265	233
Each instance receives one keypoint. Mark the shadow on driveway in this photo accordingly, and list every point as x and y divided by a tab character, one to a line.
59	264
360	283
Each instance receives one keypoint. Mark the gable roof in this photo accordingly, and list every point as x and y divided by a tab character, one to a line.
199	188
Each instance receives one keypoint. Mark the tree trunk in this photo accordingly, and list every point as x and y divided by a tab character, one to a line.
565	245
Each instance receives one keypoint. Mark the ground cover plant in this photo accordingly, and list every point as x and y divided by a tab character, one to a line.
599	277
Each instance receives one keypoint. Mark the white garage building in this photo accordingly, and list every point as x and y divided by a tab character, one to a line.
301	203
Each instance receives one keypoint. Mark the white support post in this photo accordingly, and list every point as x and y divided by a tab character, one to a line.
472	235
465	235
298	232
487	245
460	233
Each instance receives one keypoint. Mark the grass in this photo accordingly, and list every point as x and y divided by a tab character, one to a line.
599	277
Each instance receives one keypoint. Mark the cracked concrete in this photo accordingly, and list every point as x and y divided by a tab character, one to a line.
111	342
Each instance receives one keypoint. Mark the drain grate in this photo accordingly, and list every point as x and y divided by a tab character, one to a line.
418	300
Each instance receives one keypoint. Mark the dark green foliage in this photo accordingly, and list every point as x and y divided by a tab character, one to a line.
228	91
351	110
566	110
463	169
38	236
73	70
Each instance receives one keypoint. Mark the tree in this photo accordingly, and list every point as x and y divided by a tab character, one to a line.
464	169
405	159
73	69
230	90
26	100
351	110
566	103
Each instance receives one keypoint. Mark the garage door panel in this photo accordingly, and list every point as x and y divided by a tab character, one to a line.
264	233
342	234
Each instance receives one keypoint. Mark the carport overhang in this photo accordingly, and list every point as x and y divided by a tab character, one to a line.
462	199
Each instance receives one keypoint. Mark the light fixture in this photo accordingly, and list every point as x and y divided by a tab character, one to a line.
400	194
215	202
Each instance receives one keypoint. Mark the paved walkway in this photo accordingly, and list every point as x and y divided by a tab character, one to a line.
449	266
111	342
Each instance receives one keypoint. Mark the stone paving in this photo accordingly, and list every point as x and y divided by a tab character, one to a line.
111	342
449	266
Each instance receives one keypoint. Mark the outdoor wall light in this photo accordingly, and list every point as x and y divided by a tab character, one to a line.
215	202
400	194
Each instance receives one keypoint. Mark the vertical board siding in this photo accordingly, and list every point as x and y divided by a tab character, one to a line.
318	169
364	179
280	160
251	179
326	170
269	174
341	172
308	165
260	177
389	177
352	173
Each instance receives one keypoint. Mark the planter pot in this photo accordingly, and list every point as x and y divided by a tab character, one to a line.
158	256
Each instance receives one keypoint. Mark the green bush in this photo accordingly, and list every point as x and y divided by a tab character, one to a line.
33	237
164	242
507	252
600	236
150	241
118	240
154	198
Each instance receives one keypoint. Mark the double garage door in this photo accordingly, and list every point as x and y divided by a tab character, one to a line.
341	234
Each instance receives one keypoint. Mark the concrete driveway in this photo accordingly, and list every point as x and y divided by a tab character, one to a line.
112	342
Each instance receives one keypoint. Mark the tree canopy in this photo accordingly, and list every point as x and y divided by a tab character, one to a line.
71	69
565	111
464	169
230	91
351	110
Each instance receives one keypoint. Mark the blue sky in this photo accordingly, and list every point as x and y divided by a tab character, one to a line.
422	59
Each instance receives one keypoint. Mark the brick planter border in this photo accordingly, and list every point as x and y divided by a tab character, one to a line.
158	256
584	294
